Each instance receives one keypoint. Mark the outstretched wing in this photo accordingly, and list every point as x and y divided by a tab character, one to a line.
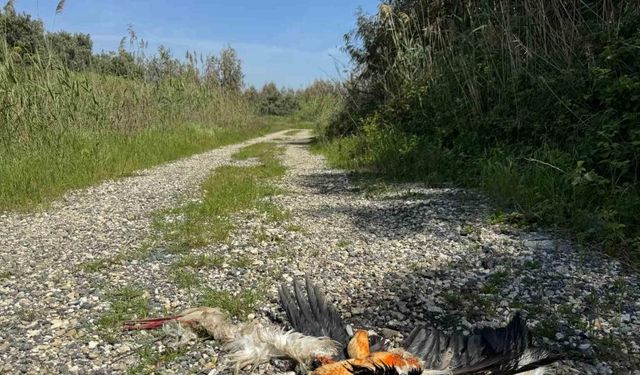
309	313
498	351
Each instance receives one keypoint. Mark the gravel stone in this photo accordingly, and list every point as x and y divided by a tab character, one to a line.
389	260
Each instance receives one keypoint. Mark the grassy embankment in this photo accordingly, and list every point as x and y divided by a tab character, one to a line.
62	130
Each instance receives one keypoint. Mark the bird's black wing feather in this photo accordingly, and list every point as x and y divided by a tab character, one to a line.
497	351
309	313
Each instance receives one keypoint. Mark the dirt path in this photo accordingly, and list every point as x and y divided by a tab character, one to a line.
389	258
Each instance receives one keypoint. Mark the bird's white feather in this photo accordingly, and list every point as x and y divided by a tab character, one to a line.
252	344
257	345
531	356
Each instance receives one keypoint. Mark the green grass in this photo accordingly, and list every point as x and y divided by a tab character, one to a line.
549	129
126	303
98	265
526	194
261	235
184	271
292	132
150	360
495	282
240	261
265	152
273	212
228	190
515	218
295	228
342	243
607	346
82	158
240	305
468	230
184	277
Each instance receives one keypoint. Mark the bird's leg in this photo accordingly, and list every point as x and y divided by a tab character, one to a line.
147	324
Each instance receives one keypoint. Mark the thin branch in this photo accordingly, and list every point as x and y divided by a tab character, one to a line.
545	163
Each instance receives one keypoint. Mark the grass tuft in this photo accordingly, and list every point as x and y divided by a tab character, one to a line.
126	303
184	277
228	190
240	305
151	360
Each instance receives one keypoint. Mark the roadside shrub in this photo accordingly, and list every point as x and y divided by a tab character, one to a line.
537	103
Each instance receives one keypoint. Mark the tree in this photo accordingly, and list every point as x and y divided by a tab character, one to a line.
73	49
231	76
277	102
10	7
22	33
212	72
252	95
121	64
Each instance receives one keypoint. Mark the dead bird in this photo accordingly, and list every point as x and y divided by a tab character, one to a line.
320	344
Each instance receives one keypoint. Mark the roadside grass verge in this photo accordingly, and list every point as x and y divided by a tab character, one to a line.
64	128
230	189
542	188
549	129
80	158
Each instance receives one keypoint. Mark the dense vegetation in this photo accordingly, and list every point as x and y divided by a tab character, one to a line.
273	101
536	102
69	118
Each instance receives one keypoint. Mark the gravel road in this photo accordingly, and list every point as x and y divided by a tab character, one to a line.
389	258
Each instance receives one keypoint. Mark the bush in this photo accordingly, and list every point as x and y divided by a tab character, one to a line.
272	101
319	104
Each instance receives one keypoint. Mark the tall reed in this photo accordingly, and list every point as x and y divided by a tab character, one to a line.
62	129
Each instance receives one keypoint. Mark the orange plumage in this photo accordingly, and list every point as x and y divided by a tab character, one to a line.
361	358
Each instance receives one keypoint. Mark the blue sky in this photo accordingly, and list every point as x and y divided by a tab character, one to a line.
290	42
